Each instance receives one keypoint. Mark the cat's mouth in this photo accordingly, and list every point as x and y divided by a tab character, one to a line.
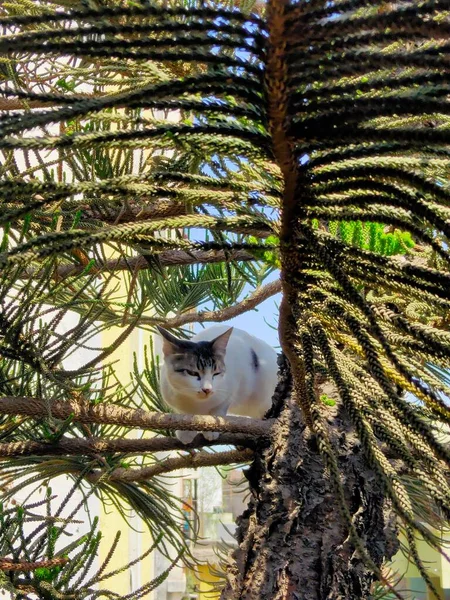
204	395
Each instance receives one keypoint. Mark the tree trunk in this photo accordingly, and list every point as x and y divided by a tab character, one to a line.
292	539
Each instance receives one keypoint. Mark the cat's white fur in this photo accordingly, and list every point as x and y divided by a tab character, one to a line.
241	390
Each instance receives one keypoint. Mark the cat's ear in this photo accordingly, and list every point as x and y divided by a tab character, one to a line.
171	344
219	343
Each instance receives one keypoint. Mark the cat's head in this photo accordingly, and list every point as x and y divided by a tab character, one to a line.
195	368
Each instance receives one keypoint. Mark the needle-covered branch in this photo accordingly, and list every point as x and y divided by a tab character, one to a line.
112	414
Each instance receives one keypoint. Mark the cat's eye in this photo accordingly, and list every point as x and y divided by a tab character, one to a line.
193	373
187	372
218	373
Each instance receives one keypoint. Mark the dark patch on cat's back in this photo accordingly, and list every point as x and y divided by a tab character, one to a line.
255	360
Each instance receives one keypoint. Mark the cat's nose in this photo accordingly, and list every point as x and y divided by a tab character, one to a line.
207	390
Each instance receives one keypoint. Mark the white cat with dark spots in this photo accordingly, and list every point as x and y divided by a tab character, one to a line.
220	370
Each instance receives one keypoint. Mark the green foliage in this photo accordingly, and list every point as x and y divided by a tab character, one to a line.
327	400
147	381
373	237
45	574
271	256
33	538
368	236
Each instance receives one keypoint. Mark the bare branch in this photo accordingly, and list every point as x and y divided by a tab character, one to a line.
189	461
112	414
80	446
230	312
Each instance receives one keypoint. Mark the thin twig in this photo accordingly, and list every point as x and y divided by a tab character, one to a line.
258	296
189	461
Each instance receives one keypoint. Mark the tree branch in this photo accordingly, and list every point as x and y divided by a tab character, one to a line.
169	258
189	461
112	414
6	105
132	212
80	446
230	312
7	564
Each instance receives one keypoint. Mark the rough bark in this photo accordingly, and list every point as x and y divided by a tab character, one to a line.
292	539
114	414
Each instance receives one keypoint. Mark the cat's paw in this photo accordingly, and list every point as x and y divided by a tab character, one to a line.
186	437
211	435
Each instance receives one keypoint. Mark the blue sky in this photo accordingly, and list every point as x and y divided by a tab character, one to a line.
260	322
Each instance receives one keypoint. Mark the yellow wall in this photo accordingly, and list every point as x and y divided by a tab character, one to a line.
110	519
206	582
437	567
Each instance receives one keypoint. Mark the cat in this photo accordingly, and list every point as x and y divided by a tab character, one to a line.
218	370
